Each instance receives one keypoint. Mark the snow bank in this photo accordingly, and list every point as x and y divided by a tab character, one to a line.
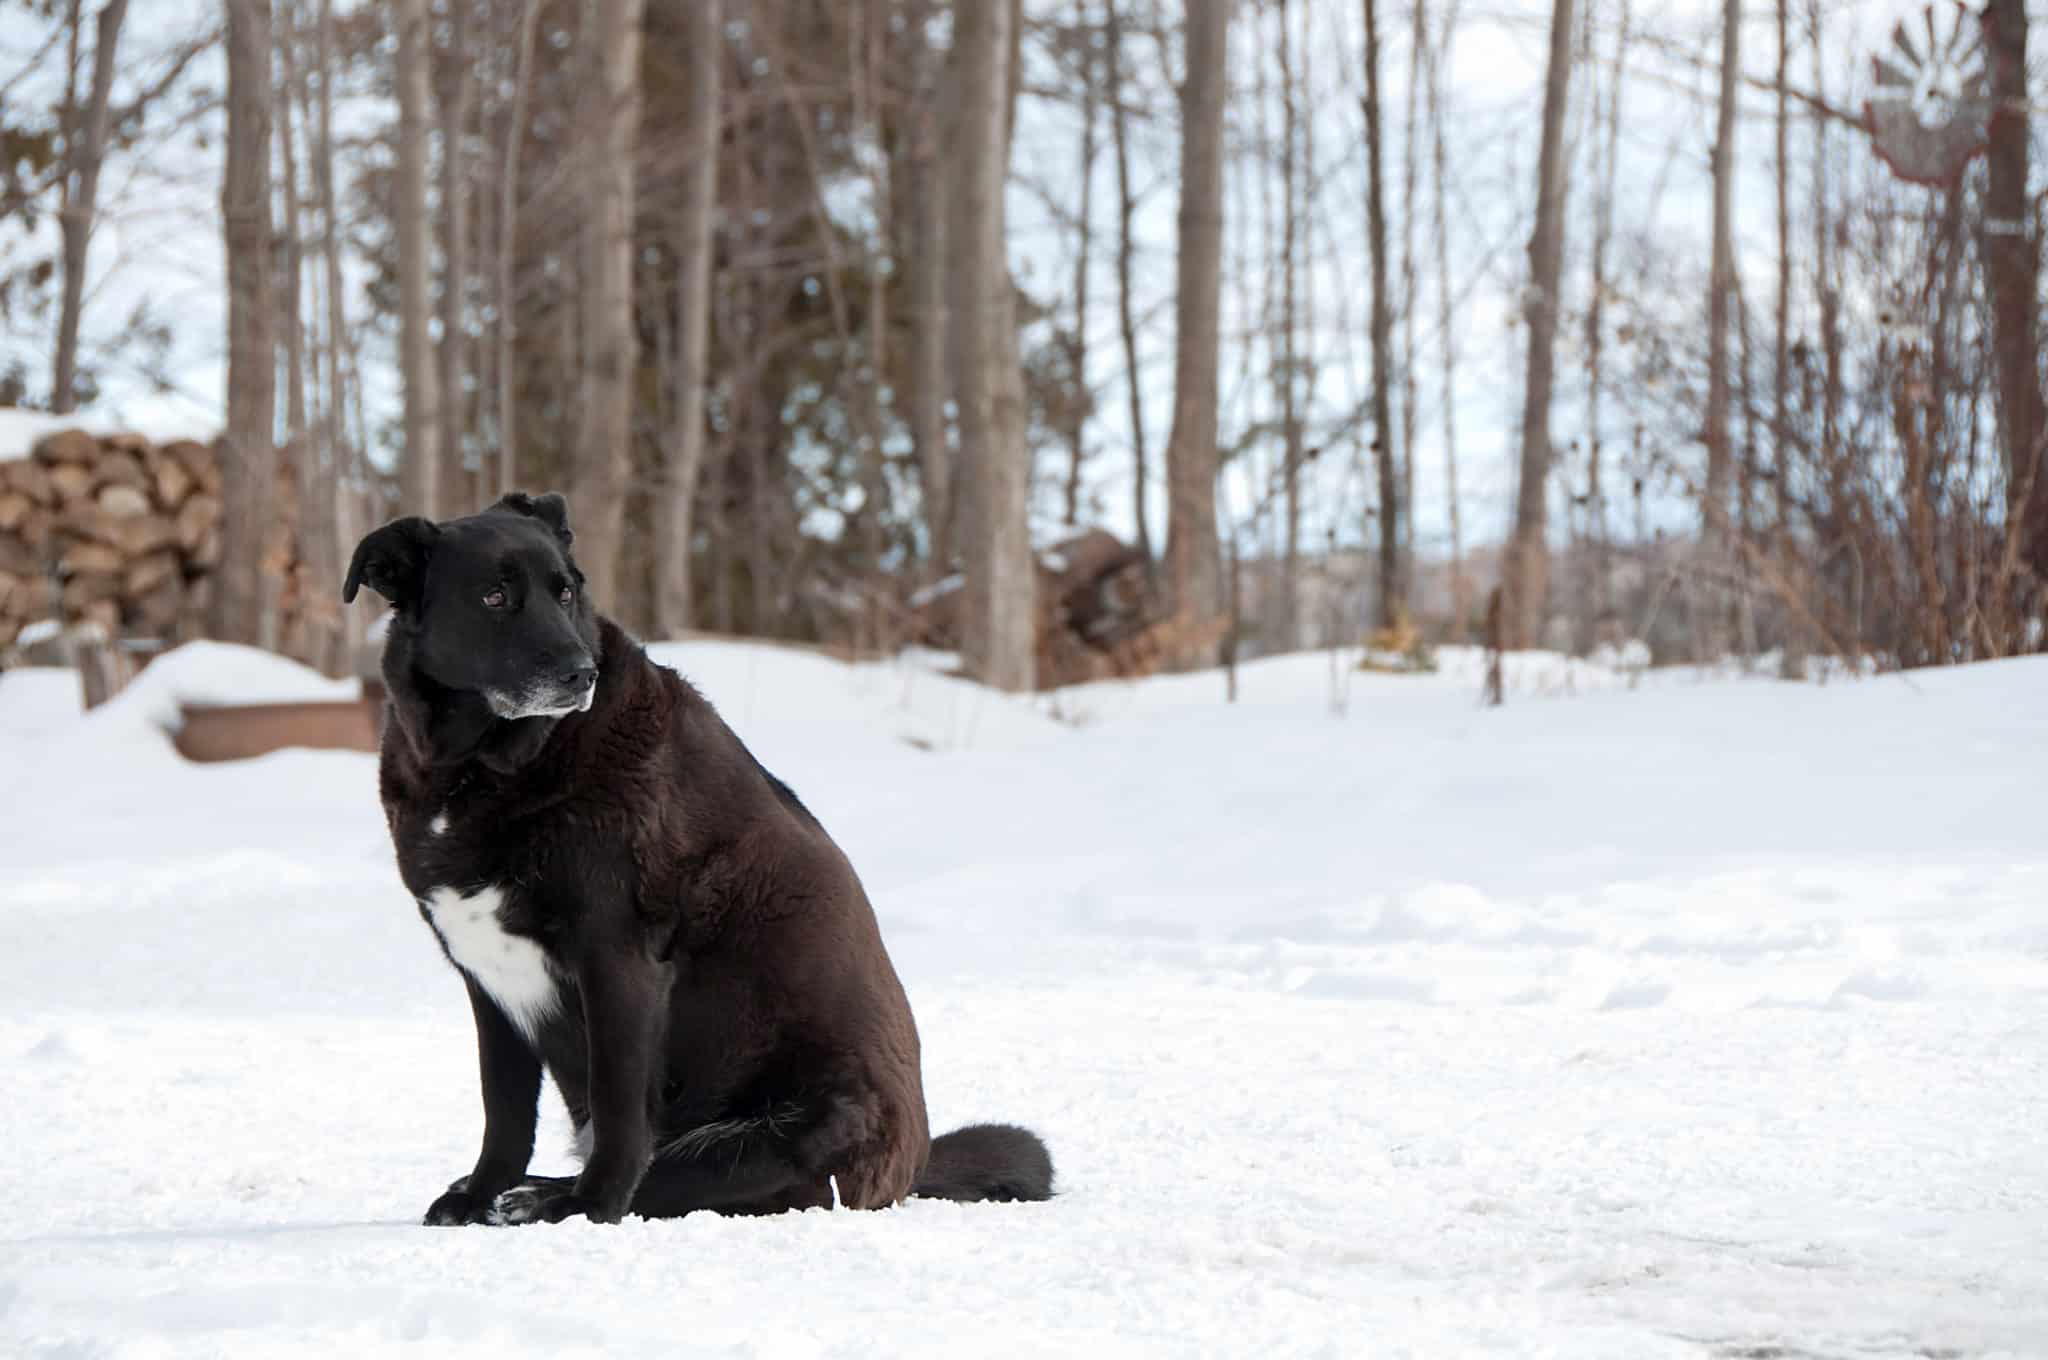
1694	1019
20	430
199	674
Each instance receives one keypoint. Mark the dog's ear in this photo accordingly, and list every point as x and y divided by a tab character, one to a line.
550	509
392	561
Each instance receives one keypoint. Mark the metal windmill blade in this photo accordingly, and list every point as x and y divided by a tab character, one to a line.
1930	109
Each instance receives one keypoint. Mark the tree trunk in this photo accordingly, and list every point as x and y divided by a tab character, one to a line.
1716	540
1194	567
345	510
927	123
1077	346
420	469
508	253
684	444
1393	590
604	443
1288	615
1446	331
999	626
2012	267
318	637
81	200
1127	210
458	93
1793	654
1526	566
248	448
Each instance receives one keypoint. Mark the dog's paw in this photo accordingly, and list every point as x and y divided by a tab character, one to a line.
536	1204
457	1207
547	1204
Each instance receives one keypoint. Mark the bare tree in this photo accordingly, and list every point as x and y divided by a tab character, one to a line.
1193	562
347	514
1717	541
1525	568
1077	344
1393	591
85	151
683	446
2012	267
1000	614
243	609
1126	213
507	321
1287	371
1597	587
457	97
316	635
1793	659
926	127
604	441
1446	332
421	466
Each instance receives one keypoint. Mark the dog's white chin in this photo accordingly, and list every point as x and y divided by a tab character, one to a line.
512	708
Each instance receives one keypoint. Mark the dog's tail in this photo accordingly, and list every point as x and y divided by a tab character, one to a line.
987	1162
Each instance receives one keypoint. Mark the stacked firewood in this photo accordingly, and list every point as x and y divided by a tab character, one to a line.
1101	615
112	530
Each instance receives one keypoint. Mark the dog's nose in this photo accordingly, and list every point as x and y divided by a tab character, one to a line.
579	678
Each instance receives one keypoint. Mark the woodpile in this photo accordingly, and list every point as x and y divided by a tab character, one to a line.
1101	615
114	530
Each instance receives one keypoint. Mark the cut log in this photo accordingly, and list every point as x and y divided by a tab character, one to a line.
134	536
14	508
173	483
145	574
17	558
86	557
123	501
155	613
30	478
120	469
71	481
90	587
67	447
129	442
199	460
196	517
34	532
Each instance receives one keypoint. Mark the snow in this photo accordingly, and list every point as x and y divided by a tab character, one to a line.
21	430
1695	1018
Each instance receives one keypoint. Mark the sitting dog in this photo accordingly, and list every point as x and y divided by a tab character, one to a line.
638	908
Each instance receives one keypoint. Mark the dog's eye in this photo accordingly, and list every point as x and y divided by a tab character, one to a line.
568	595
494	599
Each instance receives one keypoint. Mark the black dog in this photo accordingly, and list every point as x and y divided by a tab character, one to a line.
638	907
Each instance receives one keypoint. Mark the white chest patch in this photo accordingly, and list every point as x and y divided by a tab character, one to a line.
512	968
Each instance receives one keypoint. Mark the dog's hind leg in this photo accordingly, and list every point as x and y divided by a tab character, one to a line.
755	1172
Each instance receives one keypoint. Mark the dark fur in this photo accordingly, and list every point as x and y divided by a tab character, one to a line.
731	1034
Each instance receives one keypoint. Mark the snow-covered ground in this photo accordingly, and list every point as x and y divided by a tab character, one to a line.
1697	1018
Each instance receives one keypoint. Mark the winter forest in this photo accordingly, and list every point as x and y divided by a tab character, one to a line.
1712	326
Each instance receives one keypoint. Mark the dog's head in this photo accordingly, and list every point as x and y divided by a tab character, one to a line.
490	605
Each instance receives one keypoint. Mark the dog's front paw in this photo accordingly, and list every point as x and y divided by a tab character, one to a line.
536	1204
547	1204
457	1207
